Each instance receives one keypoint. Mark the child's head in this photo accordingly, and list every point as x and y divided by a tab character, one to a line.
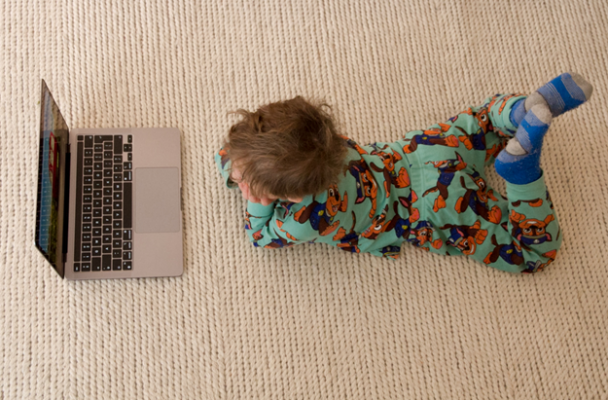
286	149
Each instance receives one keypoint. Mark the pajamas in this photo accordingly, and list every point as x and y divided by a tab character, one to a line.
429	189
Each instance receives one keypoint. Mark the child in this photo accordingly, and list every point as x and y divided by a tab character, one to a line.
306	183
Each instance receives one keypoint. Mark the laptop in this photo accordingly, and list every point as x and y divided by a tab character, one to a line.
109	200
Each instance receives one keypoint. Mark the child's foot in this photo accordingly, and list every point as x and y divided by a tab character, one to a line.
519	162
562	94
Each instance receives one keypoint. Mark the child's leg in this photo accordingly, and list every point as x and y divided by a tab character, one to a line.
526	242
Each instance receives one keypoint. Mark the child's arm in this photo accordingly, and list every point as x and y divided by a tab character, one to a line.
224	165
273	226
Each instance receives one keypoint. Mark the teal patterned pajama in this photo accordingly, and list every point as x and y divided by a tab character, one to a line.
429	189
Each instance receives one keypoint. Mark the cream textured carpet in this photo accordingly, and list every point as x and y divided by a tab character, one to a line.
311	322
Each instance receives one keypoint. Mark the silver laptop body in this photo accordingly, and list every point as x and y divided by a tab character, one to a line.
109	200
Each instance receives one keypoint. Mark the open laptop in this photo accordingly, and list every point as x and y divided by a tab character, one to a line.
109	200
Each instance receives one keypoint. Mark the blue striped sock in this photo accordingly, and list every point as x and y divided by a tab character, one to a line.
565	93
519	162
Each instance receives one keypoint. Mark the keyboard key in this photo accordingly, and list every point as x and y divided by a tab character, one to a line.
87	189
97	213
97	222
107	200
107	191
128	176
106	263
97	184
86	218
86	227
97	203
107	173
118	196
97	194
108	164
97	175
127	246
118	186
108	146
88	180
96	232
116	234
117	214
117	205
130	139
128	187
107	239
88	161
107	229
87	208
118	144
86	237
98	148
107	210
88	171
118	168
117	224
130	157
96	264
88	141
126	265
116	265
86	267
76	267
116	253
107	220
98	157
97	166
86	247
106	249
87	198
86	256
128	147
96	251
127	255
117	243
107	182
118	159
108	155
102	138
128	165
88	153
96	241
118	177
127	234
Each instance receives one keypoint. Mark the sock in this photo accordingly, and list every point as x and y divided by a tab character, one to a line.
562	94
519	162
518	112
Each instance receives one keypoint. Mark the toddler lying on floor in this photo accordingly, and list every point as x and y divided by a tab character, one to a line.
306	183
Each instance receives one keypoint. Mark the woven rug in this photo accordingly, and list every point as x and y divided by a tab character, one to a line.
310	322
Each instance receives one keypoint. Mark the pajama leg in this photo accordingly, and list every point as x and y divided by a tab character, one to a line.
459	213
530	239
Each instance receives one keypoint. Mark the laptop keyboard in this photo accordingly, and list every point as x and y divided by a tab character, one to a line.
104	191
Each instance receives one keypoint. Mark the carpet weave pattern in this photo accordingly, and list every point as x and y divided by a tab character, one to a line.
309	322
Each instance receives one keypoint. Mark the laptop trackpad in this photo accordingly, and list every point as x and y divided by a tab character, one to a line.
156	200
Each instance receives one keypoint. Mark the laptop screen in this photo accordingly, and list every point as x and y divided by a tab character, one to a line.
51	181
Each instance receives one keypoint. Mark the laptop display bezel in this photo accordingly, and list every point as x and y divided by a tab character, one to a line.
52	120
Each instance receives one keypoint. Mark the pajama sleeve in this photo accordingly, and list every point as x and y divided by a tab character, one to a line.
266	228
264	225
224	165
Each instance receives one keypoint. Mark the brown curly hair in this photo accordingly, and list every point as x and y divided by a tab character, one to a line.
287	149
